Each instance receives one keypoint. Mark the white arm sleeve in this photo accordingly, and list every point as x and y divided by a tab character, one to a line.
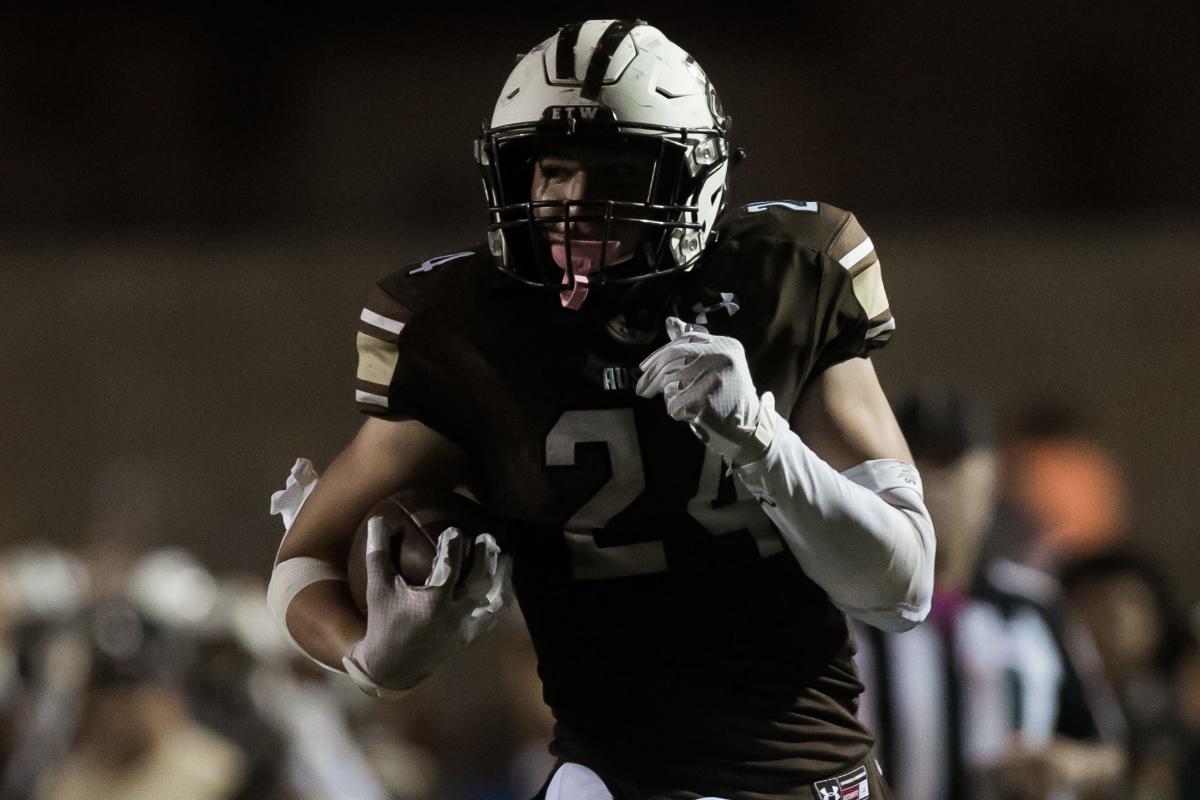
863	535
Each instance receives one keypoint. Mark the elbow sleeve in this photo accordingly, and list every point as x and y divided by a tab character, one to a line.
863	535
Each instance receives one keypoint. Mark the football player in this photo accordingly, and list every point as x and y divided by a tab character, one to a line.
665	405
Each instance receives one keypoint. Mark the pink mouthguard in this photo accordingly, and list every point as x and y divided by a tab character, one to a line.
585	254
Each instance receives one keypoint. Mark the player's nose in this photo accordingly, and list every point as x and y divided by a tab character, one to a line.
575	187
573	190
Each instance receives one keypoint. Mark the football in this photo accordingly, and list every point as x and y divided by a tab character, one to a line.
414	519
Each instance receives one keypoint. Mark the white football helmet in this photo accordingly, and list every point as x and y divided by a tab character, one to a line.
618	84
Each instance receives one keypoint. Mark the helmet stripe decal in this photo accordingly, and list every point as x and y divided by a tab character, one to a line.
610	40
564	64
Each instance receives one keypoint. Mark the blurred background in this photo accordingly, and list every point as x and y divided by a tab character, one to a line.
194	203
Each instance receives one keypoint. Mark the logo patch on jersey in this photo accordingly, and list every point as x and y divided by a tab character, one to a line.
616	378
810	205
853	785
427	266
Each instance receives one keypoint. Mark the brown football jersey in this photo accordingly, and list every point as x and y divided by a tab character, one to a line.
681	647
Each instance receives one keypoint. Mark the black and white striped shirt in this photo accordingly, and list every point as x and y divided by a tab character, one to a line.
998	664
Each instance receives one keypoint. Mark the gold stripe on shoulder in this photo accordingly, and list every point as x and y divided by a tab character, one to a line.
376	359
868	288
863	265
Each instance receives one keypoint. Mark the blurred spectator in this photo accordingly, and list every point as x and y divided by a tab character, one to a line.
156	679
1005	693
101	706
1123	600
43	591
1142	641
218	694
1063	494
136	737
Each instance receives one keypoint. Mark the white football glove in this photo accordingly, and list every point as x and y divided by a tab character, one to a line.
411	629
706	382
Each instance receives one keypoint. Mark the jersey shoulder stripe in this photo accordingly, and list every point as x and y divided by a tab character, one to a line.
821	227
380	324
392	305
851	247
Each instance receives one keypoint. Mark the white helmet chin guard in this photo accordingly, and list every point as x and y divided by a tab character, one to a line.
614	84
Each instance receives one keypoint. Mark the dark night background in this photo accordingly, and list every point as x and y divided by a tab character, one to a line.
194	203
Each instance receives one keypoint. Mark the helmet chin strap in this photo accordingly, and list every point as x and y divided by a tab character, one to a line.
585	256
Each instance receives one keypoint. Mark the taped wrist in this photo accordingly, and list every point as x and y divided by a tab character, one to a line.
288	579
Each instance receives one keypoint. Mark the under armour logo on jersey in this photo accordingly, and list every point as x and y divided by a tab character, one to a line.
728	302
754	208
852	785
427	266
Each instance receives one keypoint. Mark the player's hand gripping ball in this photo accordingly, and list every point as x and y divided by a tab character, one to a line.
435	581
412	521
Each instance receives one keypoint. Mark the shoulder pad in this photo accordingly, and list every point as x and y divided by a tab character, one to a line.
418	282
811	223
417	299
817	226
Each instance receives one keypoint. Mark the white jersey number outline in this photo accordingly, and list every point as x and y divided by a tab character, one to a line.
616	428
